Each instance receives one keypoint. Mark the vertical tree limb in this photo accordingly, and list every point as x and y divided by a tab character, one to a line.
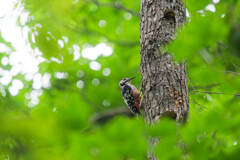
164	84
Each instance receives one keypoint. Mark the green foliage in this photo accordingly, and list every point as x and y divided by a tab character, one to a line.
59	126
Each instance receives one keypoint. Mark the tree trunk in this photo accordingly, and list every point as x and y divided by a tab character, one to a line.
164	83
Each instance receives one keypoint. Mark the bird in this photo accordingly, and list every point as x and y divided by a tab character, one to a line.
131	95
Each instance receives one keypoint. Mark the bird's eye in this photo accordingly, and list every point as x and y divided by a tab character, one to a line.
122	82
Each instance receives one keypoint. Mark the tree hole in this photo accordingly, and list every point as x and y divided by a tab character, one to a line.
169	114
169	15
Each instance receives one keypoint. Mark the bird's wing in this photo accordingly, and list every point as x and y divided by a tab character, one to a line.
129	98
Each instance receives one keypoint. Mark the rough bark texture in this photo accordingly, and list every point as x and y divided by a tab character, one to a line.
164	84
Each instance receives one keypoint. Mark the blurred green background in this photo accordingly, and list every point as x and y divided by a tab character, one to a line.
61	62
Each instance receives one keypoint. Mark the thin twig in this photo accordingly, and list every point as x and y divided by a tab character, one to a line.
209	86
234	73
200	105
88	101
209	92
87	31
116	6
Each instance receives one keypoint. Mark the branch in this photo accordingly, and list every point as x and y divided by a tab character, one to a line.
116	5
84	97
103	117
87	100
209	92
200	105
87	31
209	86
234	73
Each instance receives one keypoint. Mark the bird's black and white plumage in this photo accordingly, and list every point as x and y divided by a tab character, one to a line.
130	95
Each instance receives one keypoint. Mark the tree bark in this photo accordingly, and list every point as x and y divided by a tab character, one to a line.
164	83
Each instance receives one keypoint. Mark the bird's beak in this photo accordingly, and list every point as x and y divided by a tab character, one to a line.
130	79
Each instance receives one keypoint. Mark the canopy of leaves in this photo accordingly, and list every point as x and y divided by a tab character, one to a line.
54	121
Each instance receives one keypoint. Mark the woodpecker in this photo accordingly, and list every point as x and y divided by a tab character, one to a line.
131	95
